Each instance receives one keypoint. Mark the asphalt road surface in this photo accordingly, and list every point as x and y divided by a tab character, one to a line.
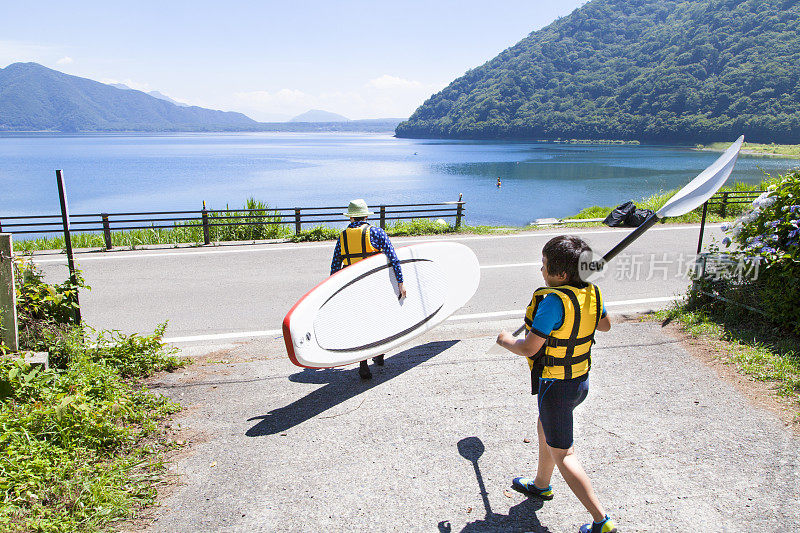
218	293
432	442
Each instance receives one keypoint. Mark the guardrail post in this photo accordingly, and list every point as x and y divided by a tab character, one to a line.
206	233
8	296
702	228
62	196
106	230
383	217
459	211
297	221
724	204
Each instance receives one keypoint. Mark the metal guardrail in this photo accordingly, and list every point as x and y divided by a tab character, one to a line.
724	199
208	218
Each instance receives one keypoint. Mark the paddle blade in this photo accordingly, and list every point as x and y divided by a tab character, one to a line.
703	187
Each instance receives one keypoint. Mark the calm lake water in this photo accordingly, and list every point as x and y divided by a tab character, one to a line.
117	173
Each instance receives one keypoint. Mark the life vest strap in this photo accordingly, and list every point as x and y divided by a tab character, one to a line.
549	360
358	256
553	342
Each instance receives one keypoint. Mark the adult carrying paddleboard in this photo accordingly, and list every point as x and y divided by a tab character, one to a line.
357	242
359	312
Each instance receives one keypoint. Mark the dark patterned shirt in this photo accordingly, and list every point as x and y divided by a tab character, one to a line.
380	241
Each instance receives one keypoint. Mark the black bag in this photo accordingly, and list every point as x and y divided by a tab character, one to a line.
637	217
619	216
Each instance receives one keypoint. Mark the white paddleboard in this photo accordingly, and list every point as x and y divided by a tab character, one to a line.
355	314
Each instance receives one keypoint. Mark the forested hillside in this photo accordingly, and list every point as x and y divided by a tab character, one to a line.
649	70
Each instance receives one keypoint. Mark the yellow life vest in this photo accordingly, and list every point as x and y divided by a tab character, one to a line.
355	245
566	351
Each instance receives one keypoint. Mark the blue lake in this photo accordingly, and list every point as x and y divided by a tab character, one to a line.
117	173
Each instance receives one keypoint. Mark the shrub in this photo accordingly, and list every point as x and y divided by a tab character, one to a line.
81	442
770	230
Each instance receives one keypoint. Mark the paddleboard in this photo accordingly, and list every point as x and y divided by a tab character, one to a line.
356	314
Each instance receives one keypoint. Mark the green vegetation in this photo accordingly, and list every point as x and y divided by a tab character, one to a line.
655	71
781	150
655	201
762	352
81	442
770	232
263	224
752	302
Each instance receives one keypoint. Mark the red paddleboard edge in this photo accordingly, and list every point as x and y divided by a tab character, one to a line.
287	336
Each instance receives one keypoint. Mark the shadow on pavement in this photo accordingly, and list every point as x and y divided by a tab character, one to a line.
340	386
521	517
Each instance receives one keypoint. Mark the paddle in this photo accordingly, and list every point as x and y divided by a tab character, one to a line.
692	196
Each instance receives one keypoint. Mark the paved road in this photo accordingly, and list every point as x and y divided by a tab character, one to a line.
432	442
228	291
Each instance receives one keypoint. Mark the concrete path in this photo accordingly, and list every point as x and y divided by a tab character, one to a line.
433	441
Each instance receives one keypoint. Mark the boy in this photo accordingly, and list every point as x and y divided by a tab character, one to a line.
560	322
359	241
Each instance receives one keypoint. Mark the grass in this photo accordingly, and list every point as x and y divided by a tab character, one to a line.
136	238
82	442
263	224
782	150
752	345
655	201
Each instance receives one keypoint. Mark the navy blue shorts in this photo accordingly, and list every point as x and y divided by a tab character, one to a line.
557	399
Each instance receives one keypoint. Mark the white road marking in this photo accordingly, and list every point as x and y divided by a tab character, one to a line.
513	265
455	318
105	256
221	336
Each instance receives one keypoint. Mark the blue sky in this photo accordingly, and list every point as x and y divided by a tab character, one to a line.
274	59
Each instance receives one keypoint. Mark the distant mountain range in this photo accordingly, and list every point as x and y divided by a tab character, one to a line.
36	98
154	94
316	115
649	70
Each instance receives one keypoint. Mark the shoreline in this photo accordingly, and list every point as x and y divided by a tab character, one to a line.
786	151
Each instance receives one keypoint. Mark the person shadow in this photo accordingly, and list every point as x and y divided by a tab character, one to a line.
340	386
521	517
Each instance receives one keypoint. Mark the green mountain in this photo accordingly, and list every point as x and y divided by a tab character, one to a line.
35	98
648	70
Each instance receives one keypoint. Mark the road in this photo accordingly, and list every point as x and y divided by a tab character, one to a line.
223	292
432	442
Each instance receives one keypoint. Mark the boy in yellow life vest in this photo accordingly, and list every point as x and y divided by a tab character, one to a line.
359	241
561	321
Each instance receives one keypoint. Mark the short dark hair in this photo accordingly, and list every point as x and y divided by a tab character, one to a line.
563	256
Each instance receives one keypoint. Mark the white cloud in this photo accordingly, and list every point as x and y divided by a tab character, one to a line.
393	82
66	60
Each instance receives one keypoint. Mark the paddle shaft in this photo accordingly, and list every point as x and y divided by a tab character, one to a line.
632	236
624	243
685	193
